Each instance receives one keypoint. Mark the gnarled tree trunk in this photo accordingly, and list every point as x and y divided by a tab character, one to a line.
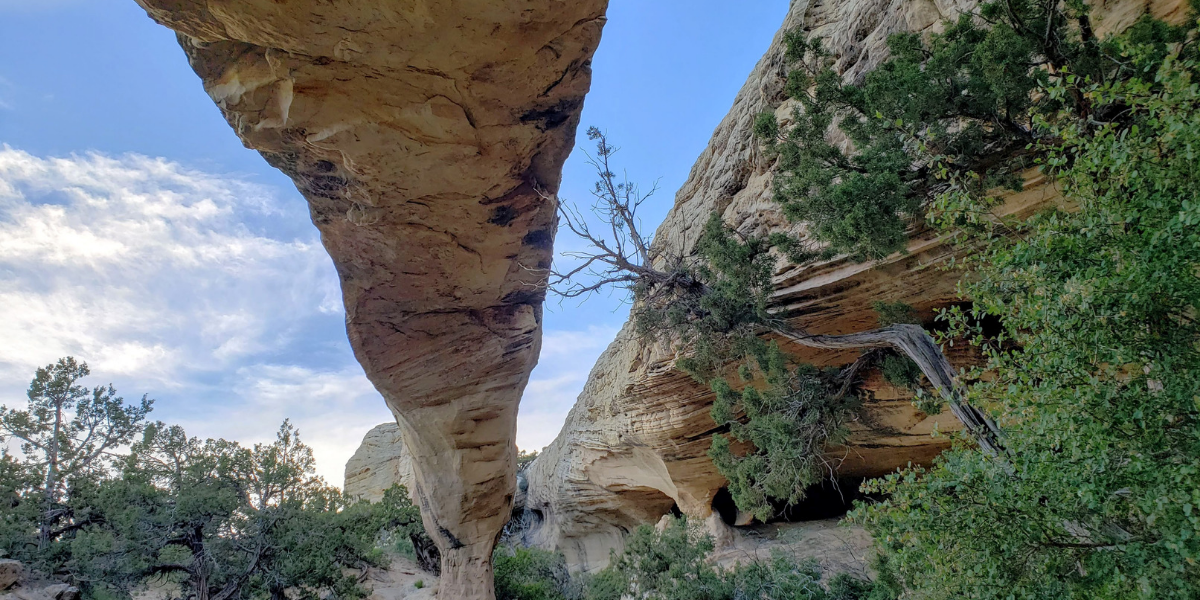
915	343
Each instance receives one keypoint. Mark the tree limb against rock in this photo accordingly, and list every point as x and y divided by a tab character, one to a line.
671	283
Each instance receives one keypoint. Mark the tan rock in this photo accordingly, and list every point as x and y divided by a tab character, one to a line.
635	443
380	462
837	547
399	582
10	572
420	133
54	591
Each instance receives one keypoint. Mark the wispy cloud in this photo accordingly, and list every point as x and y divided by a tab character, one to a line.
567	358
175	282
156	275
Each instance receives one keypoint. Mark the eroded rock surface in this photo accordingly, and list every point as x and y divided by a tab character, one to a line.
380	462
420	133
634	444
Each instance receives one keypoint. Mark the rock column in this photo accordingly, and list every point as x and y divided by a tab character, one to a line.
422	135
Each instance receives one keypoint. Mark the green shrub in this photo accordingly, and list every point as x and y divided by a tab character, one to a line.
529	574
789	422
900	371
1094	373
892	313
673	564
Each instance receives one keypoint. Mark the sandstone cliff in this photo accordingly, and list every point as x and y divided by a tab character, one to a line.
420	134
633	446
380	462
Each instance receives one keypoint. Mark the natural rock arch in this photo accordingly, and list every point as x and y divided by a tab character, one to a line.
418	132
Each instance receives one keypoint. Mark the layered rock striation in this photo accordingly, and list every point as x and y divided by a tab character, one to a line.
634	445
424	136
380	462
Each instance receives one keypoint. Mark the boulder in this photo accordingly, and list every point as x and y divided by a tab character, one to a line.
380	462
10	573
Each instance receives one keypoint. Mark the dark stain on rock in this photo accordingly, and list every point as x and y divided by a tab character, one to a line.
454	542
542	239
322	186
554	116
533	296
503	215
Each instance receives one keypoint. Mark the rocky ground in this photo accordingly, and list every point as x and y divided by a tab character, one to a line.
400	581
18	583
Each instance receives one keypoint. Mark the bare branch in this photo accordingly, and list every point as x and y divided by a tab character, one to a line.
622	261
628	261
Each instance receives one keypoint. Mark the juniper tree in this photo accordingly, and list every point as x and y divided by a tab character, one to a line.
68	431
1094	362
715	308
224	521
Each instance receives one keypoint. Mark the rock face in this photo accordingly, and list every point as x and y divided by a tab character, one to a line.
380	462
634	444
10	573
421	134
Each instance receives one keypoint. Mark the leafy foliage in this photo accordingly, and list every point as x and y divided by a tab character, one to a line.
68	434
955	111
720	324
892	313
672	565
210	517
896	369
530	574
221	521
1096	369
789	421
525	458
900	371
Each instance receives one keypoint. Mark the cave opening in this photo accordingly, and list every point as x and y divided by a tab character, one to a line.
829	499
724	506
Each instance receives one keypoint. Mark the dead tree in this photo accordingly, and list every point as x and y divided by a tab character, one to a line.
631	260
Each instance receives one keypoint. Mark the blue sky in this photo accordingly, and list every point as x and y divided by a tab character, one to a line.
137	234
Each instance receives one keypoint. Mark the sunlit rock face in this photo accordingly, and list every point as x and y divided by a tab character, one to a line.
634	445
380	462
421	134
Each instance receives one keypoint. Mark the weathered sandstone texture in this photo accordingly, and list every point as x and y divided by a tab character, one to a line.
10	572
634	444
380	462
421	134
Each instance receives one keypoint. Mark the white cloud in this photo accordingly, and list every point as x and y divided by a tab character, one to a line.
592	341
141	266
567	358
154	274
333	410
157	277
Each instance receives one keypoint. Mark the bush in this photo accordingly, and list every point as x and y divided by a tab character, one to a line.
1094	373
529	574
673	565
